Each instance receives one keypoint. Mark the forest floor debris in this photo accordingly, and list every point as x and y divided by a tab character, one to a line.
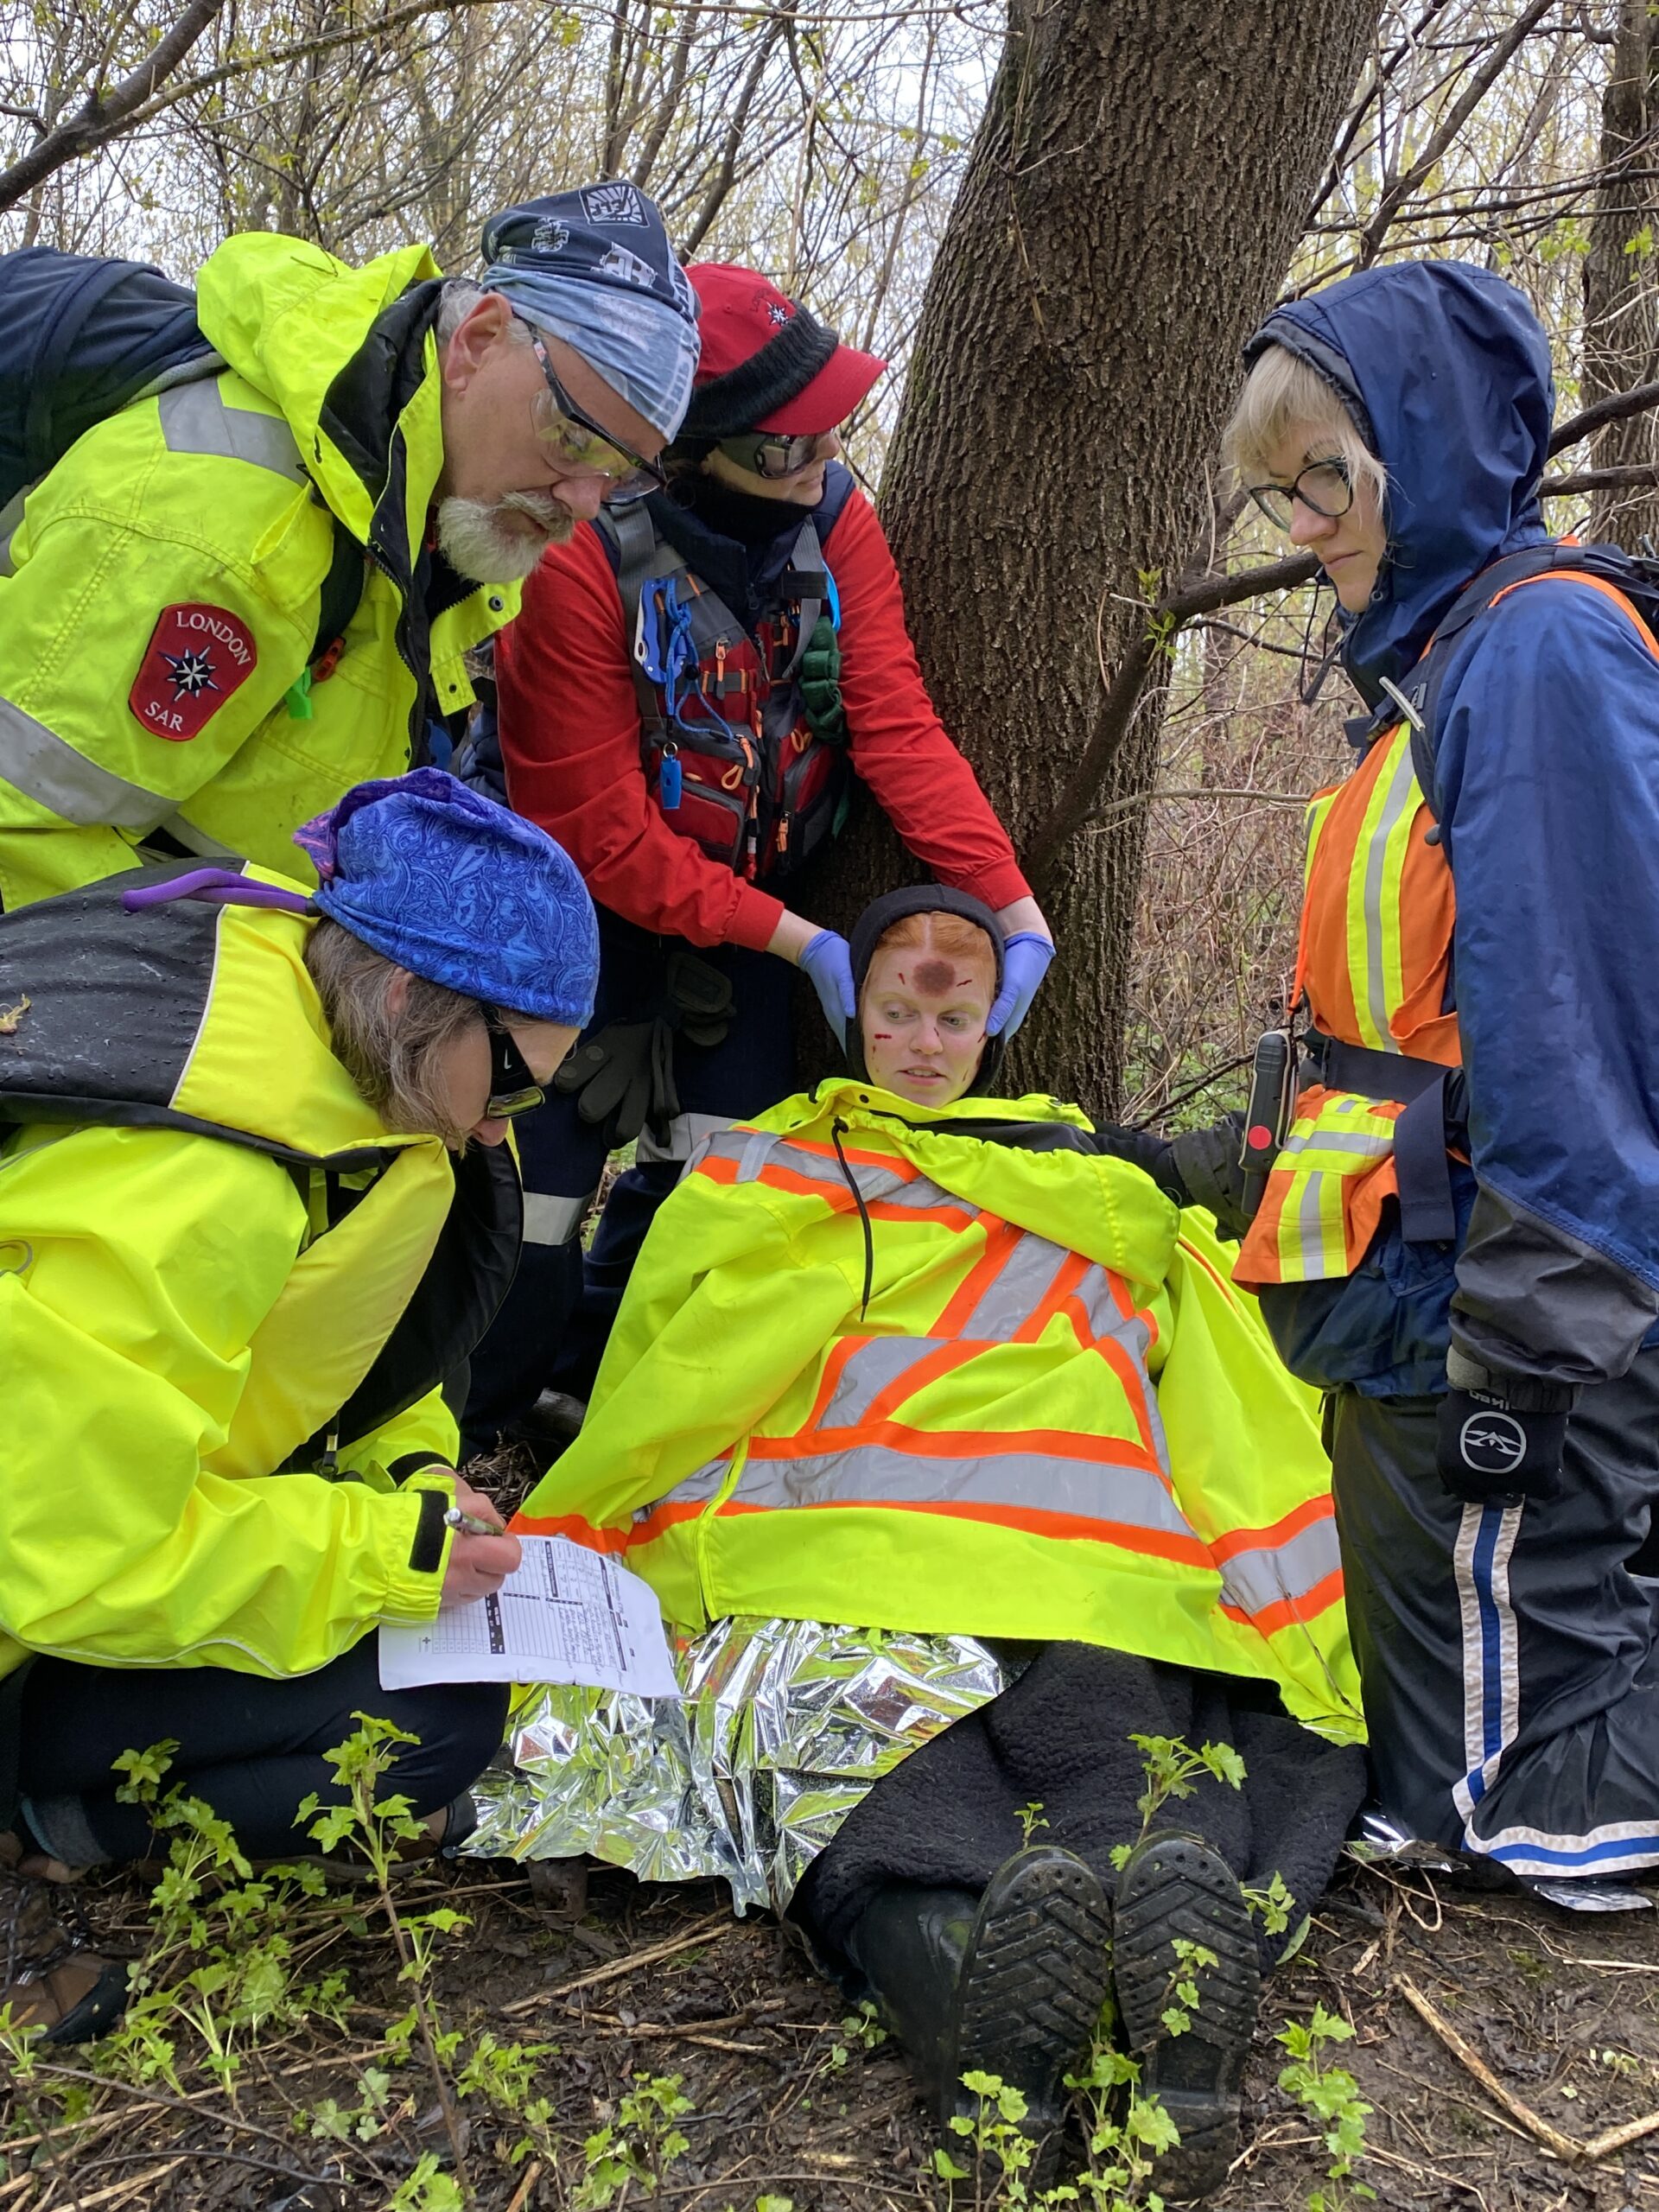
782	2098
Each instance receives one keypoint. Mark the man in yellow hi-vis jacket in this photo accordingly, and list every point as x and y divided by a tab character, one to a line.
244	1240
378	443
905	1356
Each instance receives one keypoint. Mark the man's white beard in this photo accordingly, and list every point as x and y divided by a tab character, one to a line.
477	541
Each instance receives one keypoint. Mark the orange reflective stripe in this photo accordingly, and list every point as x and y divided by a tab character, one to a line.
1035	1521
965	1444
1595	583
1001	1237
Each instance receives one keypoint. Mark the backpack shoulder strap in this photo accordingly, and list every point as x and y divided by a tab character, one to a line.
1421	694
342	589
640	554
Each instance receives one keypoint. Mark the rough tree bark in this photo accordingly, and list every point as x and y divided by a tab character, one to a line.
1134	195
1621	299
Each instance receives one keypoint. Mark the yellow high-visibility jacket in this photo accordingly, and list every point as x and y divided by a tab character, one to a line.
1053	1417
213	1258
159	598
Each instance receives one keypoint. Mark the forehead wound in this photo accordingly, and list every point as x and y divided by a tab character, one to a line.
934	976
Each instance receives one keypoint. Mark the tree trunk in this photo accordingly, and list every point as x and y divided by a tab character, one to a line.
1136	193
1621	305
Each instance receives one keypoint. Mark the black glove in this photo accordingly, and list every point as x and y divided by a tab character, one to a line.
622	1077
1205	1163
1490	1450
1143	1149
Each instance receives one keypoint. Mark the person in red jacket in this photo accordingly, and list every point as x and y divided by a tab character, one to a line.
693	683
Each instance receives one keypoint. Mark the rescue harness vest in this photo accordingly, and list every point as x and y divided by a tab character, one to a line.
743	737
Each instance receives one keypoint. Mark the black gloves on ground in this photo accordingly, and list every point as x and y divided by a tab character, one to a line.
1503	1442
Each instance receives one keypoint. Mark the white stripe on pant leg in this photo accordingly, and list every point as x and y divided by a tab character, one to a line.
1474	1749
554	1221
1486	1589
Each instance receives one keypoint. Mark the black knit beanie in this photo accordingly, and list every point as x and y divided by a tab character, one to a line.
878	918
727	406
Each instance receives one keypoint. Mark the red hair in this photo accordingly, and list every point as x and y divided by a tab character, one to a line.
953	935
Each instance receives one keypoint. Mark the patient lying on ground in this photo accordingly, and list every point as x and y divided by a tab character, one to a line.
956	1462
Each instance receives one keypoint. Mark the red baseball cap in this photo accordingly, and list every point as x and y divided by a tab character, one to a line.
744	314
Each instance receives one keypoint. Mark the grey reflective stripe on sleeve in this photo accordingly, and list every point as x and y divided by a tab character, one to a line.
196	840
195	419
685	1133
553	1220
1276	1573
10	515
37	761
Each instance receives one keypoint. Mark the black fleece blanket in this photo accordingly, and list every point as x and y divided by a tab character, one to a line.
949	1815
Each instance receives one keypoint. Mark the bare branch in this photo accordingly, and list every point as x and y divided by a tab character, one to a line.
99	120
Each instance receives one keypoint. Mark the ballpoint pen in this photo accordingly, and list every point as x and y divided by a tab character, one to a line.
470	1525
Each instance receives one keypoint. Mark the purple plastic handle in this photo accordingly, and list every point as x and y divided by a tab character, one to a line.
217	887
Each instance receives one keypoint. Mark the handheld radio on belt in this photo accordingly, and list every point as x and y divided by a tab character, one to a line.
1267	1116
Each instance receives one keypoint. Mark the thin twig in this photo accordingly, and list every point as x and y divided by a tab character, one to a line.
561	1990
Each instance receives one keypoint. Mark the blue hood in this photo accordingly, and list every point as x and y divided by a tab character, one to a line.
1446	369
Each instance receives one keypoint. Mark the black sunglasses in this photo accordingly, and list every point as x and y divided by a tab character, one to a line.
575	438
513	1088
768	454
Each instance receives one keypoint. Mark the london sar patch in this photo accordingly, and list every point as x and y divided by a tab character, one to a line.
196	657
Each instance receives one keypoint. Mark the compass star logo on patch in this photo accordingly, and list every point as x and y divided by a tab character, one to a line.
779	315
197	656
192	674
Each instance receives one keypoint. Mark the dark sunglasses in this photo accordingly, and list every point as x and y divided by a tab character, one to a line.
577	441
1325	487
513	1088
763	453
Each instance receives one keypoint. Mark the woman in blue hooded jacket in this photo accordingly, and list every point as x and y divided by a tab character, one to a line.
1459	1237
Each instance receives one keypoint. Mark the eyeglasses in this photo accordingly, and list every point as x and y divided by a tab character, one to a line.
1324	487
577	443
764	454
513	1088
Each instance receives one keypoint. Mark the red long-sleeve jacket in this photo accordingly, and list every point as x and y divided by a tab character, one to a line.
569	723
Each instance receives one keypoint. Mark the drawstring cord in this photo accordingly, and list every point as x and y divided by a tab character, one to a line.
835	1128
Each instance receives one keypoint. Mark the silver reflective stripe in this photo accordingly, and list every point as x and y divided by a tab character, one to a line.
1401	794
705	1483
554	1221
37	761
1328	1140
1018	1287
871	1474
10	515
196	840
872	1367
873	1183
755	1154
194	419
685	1133
1254	1581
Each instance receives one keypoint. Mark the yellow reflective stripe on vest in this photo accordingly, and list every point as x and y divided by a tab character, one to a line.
1374	938
1346	1137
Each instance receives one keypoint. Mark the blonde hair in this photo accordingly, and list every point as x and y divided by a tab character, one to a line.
1284	397
395	1059
951	934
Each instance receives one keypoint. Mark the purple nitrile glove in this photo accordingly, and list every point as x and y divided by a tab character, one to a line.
1025	963
827	961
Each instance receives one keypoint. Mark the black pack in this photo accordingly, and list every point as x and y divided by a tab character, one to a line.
82	337
1419	697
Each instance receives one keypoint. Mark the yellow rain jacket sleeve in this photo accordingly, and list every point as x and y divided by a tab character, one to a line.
125	1343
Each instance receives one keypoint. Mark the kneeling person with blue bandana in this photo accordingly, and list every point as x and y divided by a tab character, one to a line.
255	1208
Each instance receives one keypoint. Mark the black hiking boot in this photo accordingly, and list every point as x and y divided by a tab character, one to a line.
1010	1983
50	1976
1175	1886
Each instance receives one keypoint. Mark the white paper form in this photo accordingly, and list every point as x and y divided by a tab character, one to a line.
565	1615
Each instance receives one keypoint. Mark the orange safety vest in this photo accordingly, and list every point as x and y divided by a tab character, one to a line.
1373	965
